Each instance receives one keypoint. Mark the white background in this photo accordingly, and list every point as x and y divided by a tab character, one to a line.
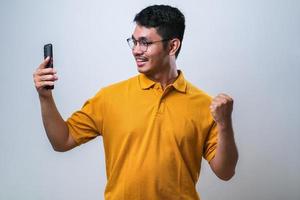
249	49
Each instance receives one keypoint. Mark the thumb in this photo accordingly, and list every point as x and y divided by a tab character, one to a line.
44	63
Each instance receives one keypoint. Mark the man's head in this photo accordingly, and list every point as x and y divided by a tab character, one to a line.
168	21
158	36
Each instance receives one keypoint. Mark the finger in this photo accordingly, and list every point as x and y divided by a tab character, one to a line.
46	71
48	78
44	79
216	100
212	107
226	96
44	63
219	100
42	84
223	98
214	104
228	99
219	96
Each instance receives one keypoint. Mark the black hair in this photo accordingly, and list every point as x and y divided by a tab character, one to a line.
168	21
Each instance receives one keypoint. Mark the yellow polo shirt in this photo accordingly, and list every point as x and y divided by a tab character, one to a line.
154	140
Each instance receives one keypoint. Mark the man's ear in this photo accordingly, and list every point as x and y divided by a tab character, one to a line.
174	45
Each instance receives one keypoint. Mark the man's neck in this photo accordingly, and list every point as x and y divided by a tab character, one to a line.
165	77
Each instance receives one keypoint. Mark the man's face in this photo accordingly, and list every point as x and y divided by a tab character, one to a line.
156	58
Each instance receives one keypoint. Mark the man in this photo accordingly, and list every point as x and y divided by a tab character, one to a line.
156	126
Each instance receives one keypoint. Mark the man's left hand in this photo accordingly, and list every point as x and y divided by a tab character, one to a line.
221	109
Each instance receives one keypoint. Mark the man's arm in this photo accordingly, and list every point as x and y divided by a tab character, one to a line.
55	127
225	160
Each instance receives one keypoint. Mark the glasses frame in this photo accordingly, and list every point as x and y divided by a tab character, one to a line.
143	43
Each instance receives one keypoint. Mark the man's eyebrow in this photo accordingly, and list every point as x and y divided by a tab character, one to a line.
140	38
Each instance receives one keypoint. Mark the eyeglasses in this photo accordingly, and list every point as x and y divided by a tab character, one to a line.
143	43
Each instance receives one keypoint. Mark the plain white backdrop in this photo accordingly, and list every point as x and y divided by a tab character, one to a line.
248	49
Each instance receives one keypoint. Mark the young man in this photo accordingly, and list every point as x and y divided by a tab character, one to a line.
156	126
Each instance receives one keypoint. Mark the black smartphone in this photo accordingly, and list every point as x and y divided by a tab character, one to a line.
48	51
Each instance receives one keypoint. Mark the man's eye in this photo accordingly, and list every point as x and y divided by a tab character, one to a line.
144	42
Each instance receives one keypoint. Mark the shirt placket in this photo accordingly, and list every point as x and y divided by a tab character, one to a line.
162	97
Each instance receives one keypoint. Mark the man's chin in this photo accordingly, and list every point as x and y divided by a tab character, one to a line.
143	70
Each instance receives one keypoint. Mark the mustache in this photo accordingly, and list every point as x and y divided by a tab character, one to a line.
141	58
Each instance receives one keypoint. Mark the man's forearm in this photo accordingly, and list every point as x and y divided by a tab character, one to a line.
55	126
224	163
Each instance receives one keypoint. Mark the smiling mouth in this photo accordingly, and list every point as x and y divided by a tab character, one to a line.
141	61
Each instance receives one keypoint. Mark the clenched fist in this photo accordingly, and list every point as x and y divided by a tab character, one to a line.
44	77
221	109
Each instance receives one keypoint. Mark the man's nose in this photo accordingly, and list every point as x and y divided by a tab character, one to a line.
137	50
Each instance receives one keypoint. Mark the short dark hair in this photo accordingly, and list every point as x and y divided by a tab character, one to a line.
168	21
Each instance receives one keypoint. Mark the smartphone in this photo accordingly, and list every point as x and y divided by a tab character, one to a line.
48	51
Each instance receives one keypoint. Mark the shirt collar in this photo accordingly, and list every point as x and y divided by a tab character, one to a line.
179	84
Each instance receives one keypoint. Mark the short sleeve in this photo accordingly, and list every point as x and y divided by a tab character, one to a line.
210	144
86	124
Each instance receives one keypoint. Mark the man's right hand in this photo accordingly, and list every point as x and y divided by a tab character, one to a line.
44	76
55	126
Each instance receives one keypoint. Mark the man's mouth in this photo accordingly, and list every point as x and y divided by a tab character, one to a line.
141	61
